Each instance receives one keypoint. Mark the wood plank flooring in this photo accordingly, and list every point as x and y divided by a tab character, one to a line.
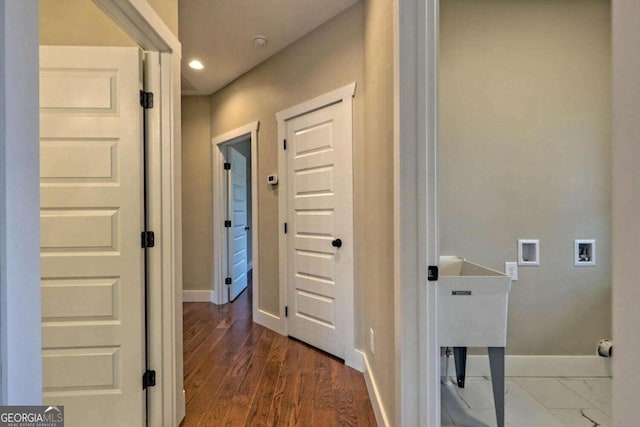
237	373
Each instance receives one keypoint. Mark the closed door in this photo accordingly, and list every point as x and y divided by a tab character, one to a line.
319	228
93	336
237	236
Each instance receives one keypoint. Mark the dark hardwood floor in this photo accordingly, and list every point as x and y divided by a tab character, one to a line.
238	373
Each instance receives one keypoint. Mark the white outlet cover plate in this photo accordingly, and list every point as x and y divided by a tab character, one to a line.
511	270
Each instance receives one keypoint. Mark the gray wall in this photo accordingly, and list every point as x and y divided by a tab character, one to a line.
525	153
374	216
626	210
197	255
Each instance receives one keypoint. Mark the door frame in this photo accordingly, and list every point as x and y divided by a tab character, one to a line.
165	401
417	364
20	346
219	215
345	96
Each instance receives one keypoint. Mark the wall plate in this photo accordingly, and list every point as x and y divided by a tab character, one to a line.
529	252
584	252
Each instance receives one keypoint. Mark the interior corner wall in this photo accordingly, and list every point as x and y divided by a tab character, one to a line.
525	153
376	220
327	58
197	257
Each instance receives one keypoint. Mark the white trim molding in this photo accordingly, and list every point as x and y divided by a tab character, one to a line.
345	96
20	308
539	366
415	46
140	21
197	296
382	419
219	214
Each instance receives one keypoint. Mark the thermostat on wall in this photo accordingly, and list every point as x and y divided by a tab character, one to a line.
272	179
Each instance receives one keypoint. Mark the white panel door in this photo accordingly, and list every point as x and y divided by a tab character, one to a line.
93	336
238	213
320	228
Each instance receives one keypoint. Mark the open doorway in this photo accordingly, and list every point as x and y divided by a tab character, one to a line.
234	160
524	166
237	155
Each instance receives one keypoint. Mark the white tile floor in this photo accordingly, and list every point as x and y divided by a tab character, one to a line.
530	402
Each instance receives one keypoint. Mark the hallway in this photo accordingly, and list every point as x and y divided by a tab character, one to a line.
239	373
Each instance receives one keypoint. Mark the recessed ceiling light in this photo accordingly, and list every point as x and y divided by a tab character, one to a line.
196	65
260	41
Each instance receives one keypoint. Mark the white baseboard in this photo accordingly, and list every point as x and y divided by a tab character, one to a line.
374	395
539	366
197	296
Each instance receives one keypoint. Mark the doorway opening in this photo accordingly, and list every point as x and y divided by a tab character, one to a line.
524	139
235	214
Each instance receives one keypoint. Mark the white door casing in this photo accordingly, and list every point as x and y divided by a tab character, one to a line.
219	185
417	366
93	335
237	211
316	203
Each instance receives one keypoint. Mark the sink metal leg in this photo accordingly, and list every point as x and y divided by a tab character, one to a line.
496	362
460	358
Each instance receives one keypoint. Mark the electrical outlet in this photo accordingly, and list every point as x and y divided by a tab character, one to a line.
511	270
372	341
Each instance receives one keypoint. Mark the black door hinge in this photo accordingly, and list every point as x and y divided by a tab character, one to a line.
432	273
286	311
285	228
227	224
285	144
147	239
228	281
146	99
227	166
148	379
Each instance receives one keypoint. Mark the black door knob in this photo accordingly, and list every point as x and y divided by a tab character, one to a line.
336	243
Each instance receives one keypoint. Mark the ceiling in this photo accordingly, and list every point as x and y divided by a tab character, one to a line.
220	34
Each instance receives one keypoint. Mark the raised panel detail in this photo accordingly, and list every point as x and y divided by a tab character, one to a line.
78	160
239	192
92	91
315	307
239	218
317	265
80	369
314	223
79	299
314	139
314	182
79	230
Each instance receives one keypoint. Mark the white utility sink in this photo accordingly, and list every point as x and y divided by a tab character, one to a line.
472	304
